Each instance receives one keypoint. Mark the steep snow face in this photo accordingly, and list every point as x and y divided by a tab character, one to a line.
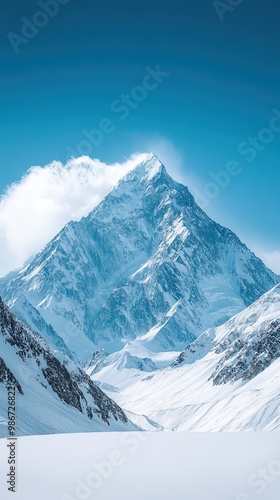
32	319
54	395
146	265
226	380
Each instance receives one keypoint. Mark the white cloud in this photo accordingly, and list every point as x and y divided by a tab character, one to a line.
33	210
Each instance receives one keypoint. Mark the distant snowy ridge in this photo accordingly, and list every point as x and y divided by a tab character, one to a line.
226	380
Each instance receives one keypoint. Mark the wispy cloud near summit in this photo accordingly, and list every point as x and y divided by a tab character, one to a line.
271	259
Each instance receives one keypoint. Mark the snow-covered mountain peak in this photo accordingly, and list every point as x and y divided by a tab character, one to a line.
146	261
146	171
149	167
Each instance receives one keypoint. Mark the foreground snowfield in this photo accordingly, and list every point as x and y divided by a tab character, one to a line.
180	466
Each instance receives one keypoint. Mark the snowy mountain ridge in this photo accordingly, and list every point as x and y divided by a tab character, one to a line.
54	394
226	380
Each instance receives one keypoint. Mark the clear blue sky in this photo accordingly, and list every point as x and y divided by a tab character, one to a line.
224	82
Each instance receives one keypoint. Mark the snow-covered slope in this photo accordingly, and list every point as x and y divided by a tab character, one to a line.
53	393
147	266
227	379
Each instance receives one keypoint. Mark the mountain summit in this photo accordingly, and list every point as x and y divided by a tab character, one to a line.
146	265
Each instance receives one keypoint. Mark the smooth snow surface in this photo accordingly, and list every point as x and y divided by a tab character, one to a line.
151	466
